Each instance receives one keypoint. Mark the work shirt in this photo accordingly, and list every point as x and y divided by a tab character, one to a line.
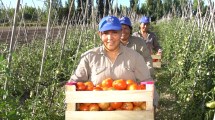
137	44
95	66
151	41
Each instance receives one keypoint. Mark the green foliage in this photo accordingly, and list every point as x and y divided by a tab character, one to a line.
28	97
189	56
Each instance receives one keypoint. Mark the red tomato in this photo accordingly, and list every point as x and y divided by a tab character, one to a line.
109	109
97	89
99	85
94	107
141	87
127	106
83	107
119	84
137	108
80	86
129	82
116	105
143	106
132	87
107	82
137	103
104	106
155	60
89	85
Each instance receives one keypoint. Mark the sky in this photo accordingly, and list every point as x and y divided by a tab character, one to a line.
39	3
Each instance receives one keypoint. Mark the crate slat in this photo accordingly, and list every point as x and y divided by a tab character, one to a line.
110	115
108	96
156	64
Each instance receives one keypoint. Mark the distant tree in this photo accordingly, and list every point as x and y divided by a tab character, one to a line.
199	5
167	6
159	8
143	9
100	9
30	13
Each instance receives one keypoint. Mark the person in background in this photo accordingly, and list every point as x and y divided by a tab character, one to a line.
111	59
148	36
135	43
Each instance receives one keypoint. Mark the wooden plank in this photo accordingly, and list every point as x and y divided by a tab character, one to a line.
156	56
110	115
156	64
108	96
70	106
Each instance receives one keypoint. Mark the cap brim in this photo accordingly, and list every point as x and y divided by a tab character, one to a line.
110	28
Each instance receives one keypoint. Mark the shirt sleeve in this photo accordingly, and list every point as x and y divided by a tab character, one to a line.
82	72
156	43
142	72
147	57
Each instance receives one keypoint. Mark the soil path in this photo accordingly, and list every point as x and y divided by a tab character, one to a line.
28	34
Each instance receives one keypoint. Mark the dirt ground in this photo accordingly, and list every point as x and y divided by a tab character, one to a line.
24	35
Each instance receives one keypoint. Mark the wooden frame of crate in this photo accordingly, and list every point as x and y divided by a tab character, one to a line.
73	97
156	64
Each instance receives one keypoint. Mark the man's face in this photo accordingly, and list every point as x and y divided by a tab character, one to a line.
144	27
126	31
111	39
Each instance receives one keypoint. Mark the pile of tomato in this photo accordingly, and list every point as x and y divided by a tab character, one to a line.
110	84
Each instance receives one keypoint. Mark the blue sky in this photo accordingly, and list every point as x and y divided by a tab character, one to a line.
12	3
39	3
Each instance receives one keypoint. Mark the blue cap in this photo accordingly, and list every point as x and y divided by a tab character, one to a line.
145	19
125	21
109	23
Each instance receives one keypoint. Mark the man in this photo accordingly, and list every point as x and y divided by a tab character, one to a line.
135	43
149	37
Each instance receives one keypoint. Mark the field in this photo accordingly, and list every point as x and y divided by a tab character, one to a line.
34	70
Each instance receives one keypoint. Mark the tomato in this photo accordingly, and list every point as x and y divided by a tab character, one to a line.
94	107
87	104
141	87
119	84
129	82
104	106
116	105
80	86
97	89
137	108
83	107
99	85
132	87
143	106
107	82
137	103
111	88
154	60
89	85
109	109
127	106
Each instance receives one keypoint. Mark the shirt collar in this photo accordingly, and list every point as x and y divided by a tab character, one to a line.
102	49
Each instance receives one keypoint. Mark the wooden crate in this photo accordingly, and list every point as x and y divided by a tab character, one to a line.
156	59
73	97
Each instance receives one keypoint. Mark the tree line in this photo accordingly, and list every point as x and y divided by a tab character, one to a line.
82	11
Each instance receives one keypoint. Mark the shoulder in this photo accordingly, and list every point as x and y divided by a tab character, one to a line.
136	34
152	34
136	40
130	52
